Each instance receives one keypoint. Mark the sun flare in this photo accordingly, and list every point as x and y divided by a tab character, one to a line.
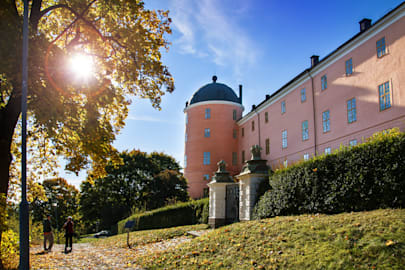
82	65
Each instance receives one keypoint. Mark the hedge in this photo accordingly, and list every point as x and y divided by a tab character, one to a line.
180	214
364	177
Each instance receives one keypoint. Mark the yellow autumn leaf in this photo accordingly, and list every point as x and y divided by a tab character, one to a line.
389	243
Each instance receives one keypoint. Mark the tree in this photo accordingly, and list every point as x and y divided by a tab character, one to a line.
62	200
79	119
141	182
168	187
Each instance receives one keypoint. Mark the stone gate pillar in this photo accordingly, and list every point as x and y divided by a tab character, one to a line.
217	203
253	172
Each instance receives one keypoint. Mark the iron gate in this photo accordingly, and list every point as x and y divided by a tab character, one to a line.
232	203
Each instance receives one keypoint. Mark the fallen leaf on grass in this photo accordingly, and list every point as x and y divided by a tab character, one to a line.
389	243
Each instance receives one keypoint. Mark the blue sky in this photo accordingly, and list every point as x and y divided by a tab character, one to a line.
261	44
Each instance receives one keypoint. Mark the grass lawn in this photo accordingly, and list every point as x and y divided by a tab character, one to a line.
144	237
363	240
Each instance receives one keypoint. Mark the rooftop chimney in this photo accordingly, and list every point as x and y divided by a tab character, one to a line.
314	60
267	97
364	24
253	107
240	93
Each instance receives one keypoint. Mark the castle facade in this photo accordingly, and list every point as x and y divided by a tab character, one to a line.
355	91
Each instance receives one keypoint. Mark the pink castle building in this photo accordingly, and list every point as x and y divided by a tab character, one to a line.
355	91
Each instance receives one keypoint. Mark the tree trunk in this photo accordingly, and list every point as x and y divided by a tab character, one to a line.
8	120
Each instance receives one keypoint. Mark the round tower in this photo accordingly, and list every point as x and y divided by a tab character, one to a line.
211	134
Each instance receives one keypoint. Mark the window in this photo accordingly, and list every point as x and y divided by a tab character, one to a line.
305	135
206	177
243	156
267	146
285	163
284	138
282	106
234	115
234	158
384	96
207	158
327	150
253	125
266	117
326	121
206	192
351	110
186	137
324	82
306	156
353	142
381	47
349	67
185	161
303	95
234	134
186	118
243	132
207	113
207	133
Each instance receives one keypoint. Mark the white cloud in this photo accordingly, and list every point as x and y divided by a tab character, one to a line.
208	31
182	21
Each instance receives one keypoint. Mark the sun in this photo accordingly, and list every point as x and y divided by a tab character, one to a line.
82	65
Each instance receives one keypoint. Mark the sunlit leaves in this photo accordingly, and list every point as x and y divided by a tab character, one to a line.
80	119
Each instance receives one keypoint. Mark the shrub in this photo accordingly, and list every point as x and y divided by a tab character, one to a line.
9	249
180	214
9	239
365	177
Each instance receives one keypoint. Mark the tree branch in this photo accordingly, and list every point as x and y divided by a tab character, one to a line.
81	17
35	14
78	15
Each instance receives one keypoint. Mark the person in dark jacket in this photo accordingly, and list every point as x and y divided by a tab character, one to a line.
68	226
48	235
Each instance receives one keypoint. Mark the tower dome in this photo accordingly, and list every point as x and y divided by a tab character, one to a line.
214	91
210	134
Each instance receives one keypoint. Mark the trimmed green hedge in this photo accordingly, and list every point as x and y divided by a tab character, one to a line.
180	214
365	177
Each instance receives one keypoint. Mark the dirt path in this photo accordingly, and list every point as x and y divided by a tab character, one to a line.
89	256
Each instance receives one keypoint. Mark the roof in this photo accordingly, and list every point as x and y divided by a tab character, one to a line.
214	91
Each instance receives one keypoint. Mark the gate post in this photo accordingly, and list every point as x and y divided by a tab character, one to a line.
253	172
217	200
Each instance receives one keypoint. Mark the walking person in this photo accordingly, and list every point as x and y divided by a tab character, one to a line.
68	226
48	234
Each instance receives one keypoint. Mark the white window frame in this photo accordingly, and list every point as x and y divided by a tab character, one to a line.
284	142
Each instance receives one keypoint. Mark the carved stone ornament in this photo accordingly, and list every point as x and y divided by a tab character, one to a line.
221	175
221	166
256	164
256	152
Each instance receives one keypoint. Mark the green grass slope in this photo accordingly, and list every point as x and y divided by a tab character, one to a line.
361	240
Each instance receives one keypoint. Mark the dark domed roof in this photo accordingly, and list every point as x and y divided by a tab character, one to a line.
214	91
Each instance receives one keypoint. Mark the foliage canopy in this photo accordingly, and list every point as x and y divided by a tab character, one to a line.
142	182
79	118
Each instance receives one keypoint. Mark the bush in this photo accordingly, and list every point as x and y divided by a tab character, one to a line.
180	214
9	239
9	249
365	177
